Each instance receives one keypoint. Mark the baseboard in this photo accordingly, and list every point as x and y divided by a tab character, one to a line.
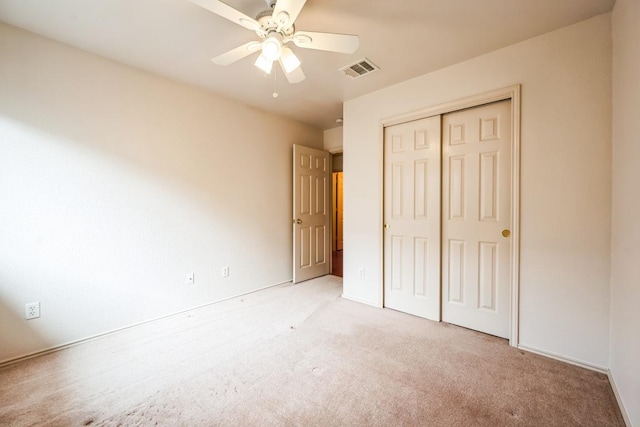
360	301
612	381
561	358
74	343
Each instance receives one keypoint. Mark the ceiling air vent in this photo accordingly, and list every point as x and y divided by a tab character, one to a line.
359	68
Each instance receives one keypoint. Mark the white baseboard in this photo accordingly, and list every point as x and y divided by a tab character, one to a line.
562	358
360	301
612	381
69	344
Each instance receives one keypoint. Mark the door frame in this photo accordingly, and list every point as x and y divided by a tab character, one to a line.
335	208
508	93
333	152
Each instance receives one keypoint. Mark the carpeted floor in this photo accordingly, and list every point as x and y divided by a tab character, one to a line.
299	355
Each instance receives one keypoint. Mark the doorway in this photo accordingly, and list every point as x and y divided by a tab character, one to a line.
337	210
450	207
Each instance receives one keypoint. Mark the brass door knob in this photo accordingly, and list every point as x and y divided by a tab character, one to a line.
506	233
298	221
387	226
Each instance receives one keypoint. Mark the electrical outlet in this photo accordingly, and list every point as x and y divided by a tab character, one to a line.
225	271
191	279
32	310
362	273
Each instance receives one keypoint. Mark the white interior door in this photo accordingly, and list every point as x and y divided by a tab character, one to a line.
311	213
412	217
476	218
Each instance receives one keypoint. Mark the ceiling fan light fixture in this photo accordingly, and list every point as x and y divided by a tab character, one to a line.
289	60
264	63
275	28
272	48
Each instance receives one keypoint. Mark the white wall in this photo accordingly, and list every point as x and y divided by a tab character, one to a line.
115	184
565	174
625	245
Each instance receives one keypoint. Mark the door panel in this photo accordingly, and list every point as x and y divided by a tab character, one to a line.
455	277
311	202
476	209
412	217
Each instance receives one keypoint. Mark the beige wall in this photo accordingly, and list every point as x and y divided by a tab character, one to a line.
115	184
625	242
565	180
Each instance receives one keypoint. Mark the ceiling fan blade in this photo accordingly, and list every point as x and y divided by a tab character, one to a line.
291	7
343	43
226	11
295	76
236	54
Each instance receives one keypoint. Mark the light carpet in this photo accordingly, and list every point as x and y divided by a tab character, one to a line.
300	355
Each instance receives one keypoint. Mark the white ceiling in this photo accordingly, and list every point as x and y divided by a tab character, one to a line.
407	38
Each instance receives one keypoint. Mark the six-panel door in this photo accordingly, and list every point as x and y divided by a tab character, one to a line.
476	203
412	217
447	207
311	213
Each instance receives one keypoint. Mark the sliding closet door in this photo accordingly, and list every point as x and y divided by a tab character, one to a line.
412	217
476	215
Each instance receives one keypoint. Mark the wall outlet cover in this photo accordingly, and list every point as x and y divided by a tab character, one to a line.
32	310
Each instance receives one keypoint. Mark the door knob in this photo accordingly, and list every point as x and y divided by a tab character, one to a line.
387	226
506	233
298	221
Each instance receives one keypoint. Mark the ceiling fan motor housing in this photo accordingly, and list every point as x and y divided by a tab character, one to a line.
269	25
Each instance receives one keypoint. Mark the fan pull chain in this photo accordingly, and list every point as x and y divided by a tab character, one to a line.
275	82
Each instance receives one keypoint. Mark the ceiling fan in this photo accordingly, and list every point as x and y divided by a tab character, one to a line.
275	28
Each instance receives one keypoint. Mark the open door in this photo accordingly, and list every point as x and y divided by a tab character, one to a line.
311	213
